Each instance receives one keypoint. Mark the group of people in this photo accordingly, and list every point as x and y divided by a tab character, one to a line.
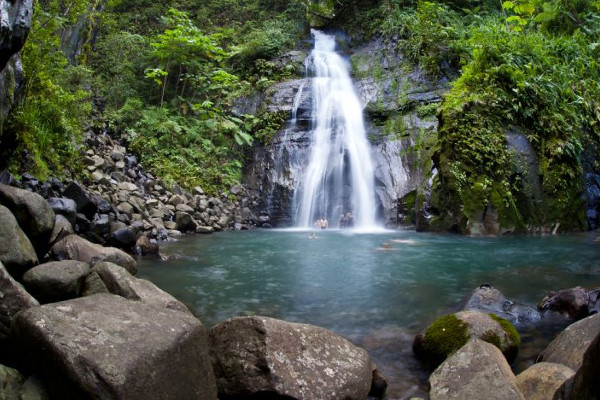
346	220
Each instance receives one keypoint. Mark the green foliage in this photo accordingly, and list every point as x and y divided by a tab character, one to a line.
181	150
446	335
49	122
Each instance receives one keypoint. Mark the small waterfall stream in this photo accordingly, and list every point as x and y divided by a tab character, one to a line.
339	177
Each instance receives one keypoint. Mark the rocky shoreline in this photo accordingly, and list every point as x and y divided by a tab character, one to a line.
75	322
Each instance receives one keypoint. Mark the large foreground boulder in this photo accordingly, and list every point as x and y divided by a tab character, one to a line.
74	247
33	212
111	278
264	356
13	298
586	385
571	344
57	280
16	251
488	299
106	347
478	370
450	332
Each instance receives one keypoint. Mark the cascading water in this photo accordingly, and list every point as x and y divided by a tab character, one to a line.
339	177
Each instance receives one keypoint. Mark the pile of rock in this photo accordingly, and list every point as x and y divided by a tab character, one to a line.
121	202
471	349
81	325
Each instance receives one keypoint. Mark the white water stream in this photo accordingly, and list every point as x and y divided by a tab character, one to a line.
339	177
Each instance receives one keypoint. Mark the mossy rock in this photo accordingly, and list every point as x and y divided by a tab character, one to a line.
449	333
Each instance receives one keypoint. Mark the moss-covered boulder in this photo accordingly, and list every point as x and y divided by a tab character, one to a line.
450	332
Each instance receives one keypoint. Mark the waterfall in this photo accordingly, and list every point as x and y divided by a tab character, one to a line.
339	177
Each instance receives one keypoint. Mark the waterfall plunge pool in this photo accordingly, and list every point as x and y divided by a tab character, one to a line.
379	299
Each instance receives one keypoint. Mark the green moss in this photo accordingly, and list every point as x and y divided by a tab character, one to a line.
509	328
446	335
492	338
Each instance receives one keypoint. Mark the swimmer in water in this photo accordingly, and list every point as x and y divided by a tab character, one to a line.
385	246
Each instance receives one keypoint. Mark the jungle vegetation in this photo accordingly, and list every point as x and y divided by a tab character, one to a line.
164	76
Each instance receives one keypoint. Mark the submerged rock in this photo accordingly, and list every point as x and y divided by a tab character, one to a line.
478	370
254	355
490	300
106	347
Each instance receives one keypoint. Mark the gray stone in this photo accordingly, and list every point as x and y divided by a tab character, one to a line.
124	237
128	186
62	228
11	382
571	344
120	282
56	281
86	203
107	347
65	207
184	208
205	229
255	355
76	248
16	253
586	385
32	211
490	300
33	389
478	370
185	222
125	208
542	380
145	246
177	199
13	298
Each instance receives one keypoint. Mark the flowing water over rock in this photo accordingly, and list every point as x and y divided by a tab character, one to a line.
339	176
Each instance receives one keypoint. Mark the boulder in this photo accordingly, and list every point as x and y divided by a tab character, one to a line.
120	282
576	302
124	238
177	199
542	380
571	344
64	206
586	385
107	347
13	298
11	382
145	246
16	253
62	229
488	299
32	211
258	355
450	332
86	203
185	222
76	248
57	280
478	370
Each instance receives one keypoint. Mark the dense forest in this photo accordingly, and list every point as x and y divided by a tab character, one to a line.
164	77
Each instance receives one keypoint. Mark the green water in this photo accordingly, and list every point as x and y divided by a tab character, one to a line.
346	282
